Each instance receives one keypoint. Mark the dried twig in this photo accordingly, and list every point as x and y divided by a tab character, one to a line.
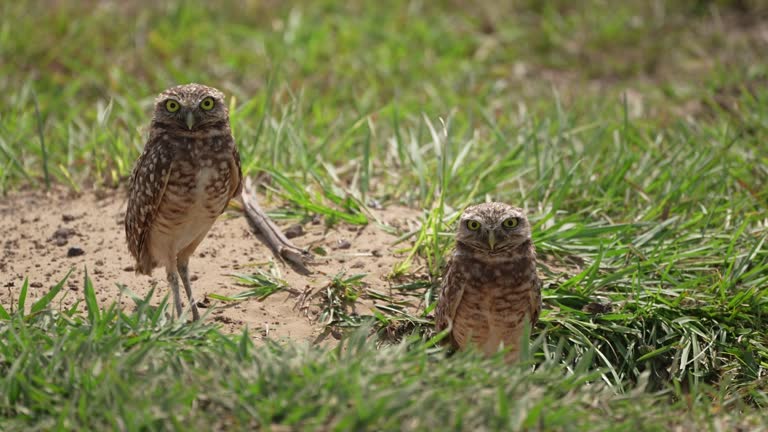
270	234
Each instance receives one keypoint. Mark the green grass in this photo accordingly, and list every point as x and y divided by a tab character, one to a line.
634	133
108	369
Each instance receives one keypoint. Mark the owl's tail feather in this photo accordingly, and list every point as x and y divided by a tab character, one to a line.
145	264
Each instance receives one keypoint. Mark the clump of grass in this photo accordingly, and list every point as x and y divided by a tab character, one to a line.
296	194
262	284
338	296
106	368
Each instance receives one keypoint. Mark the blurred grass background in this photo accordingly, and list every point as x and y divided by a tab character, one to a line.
333	63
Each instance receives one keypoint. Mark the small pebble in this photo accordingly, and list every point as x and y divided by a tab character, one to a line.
63	232
75	251
62	235
596	308
343	244
375	204
293	231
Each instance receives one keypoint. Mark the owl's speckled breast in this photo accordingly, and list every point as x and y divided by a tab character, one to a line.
495	302
198	190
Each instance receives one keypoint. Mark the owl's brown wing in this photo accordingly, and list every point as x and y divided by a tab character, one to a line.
451	292
146	188
238	169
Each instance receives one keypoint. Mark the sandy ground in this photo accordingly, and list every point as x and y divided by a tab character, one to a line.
42	234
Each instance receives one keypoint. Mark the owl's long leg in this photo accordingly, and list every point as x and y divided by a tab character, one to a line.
183	267
173	281
184	272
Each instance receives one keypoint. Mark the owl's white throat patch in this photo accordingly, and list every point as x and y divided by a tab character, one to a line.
485	257
207	176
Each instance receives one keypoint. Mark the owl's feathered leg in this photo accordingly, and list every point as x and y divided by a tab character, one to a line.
173	281
184	272
512	355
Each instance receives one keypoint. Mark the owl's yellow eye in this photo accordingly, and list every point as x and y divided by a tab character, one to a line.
473	225
172	106
207	104
511	222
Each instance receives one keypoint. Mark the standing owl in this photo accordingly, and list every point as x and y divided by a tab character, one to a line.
181	183
490	285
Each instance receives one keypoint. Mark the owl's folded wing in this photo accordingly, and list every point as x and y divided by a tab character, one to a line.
451	292
237	175
146	188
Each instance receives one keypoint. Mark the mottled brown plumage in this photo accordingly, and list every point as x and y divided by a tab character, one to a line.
490	285
181	183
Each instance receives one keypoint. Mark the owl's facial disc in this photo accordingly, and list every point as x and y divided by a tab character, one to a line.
493	236
190	114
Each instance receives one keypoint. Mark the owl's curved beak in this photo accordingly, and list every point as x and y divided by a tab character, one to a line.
491	240
190	120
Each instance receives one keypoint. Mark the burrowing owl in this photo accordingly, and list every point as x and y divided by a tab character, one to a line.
490	285
181	183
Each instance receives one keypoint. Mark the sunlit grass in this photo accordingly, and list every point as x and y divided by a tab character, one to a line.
633	134
107	368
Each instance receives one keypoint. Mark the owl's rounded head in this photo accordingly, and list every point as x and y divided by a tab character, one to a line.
493	227
190	107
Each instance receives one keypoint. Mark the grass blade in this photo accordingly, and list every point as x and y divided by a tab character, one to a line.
91	303
41	136
23	296
48	297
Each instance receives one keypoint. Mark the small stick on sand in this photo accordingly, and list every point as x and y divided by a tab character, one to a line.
270	234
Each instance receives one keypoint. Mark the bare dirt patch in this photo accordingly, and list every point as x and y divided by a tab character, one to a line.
44	235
